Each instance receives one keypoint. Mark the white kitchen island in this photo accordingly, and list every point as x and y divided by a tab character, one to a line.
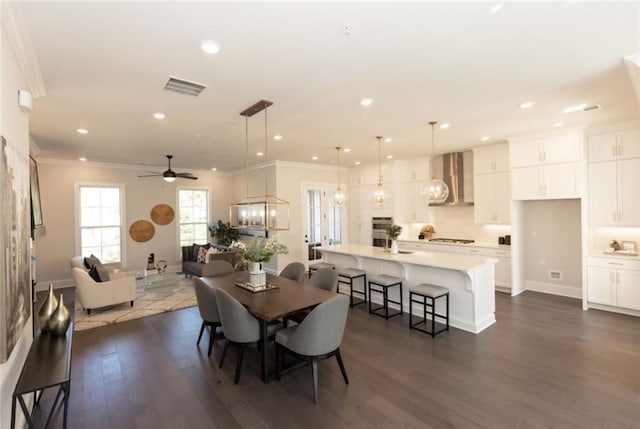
470	279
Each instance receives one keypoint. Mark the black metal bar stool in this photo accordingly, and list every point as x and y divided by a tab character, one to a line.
381	284
346	277
428	294
319	266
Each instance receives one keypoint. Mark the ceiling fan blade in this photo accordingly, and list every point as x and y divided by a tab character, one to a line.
186	176
150	175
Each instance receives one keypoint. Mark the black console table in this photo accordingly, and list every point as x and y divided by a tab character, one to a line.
48	365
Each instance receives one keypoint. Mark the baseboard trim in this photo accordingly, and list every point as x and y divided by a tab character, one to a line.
619	310
553	289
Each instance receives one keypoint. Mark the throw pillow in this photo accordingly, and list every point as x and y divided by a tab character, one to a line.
102	272
196	250
202	254
93	272
91	261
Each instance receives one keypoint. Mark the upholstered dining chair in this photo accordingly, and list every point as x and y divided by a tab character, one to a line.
208	309
324	278
318	337
241	328
294	271
216	268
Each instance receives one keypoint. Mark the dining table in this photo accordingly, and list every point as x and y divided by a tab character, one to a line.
284	298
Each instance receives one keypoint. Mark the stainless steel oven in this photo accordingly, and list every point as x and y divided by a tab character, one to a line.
379	230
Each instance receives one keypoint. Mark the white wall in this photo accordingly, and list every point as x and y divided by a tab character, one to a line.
57	187
14	126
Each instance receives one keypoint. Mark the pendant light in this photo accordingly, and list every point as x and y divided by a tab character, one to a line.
339	196
438	191
260	212
379	194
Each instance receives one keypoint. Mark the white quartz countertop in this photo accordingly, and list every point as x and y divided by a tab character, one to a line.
485	245
451	261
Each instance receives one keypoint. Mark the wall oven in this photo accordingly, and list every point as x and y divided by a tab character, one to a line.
379	230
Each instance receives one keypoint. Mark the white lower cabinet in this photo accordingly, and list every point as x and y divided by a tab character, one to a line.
614	282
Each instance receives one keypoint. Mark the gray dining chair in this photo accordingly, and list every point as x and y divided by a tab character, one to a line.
324	278
216	268
319	336
208	309
241	328
294	271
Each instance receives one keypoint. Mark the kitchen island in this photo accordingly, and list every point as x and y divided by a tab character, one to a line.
470	279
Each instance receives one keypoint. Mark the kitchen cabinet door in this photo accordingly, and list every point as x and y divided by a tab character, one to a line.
561	149
525	153
561	181
502	198
603	195
628	290
628	144
601	286
491	159
526	183
503	272
602	147
483	206
629	192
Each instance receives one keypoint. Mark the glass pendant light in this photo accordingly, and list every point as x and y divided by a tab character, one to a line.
379	194
438	191
339	196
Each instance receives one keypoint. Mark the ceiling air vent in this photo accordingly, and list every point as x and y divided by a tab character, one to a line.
591	107
184	86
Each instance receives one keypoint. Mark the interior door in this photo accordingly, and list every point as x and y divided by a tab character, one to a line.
323	220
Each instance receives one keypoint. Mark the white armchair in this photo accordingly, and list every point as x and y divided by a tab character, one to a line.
92	294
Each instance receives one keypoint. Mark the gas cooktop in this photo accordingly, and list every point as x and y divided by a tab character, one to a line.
452	240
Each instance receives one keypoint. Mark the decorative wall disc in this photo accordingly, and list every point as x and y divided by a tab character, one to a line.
141	231
162	214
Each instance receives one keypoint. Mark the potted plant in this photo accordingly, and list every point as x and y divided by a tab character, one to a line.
223	233
258	251
393	231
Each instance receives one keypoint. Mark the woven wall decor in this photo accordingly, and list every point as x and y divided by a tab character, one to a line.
162	214
141	231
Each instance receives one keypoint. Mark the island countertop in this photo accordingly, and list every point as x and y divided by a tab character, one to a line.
450	261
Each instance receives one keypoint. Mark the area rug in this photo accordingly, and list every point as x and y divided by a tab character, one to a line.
179	294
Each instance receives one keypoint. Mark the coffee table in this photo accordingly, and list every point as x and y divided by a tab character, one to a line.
152	279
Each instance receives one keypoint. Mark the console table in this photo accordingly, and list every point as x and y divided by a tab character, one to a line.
48	365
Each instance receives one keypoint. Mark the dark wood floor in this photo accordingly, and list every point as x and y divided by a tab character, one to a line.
545	363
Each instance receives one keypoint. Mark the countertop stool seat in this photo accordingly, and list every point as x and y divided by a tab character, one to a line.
380	284
426	295
347	276
319	266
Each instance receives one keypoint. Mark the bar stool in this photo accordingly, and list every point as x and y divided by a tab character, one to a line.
429	294
346	277
319	266
384	282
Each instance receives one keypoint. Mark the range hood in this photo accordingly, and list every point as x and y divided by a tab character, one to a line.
456	170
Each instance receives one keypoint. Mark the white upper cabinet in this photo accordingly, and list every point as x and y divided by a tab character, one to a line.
551	150
491	159
616	145
491	182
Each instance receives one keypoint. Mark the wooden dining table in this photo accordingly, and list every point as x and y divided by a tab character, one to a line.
288	298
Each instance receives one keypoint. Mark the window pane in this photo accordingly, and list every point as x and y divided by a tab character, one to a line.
100	222
193	215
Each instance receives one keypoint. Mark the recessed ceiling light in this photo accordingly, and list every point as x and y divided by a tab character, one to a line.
527	104
445	125
389	156
495	9
388	140
210	47
558	124
277	137
485	138
346	149
260	154
214	169
315	158
82	158
82	131
357	163
159	115
577	108
366	102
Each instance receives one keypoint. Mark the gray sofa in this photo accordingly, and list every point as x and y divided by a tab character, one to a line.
190	265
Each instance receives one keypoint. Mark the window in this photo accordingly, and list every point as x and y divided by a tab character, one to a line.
100	221
193	210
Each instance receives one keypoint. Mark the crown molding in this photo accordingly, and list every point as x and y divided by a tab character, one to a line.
141	168
16	31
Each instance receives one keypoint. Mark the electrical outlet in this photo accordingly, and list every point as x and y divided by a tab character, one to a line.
555	275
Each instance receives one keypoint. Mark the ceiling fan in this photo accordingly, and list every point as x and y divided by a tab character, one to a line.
169	175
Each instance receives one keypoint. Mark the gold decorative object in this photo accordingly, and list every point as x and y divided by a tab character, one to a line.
141	231
262	212
162	214
46	310
60	319
379	194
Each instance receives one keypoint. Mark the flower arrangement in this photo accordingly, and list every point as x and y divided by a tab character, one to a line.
393	231
261	250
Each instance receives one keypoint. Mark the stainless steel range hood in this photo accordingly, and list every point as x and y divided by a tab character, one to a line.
455	169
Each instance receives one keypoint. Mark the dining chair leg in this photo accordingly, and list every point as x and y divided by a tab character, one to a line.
239	363
279	358
341	364
200	335
212	335
314	373
224	353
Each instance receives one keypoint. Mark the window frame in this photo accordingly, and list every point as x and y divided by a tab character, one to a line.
191	188
78	227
